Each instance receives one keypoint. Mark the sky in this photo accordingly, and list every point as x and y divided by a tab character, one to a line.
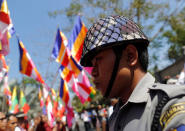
37	31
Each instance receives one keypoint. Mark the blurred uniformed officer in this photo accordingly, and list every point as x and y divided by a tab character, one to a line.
116	48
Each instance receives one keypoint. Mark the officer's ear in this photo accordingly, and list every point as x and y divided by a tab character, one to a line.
131	54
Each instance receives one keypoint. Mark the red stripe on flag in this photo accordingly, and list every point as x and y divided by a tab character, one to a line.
4	17
79	52
29	68
65	60
85	88
69	75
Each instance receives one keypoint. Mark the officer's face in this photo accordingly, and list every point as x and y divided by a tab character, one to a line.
103	64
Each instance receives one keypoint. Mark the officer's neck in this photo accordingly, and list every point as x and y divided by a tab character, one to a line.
136	77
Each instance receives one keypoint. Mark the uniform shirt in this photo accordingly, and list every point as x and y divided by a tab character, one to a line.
137	113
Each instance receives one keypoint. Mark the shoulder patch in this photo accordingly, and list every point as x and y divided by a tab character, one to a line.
168	115
180	128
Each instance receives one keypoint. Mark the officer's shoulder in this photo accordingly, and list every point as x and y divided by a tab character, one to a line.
173	111
169	89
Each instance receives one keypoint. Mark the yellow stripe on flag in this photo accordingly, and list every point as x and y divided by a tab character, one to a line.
79	40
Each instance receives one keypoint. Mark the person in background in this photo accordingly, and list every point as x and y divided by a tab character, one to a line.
3	122
86	119
12	123
22	123
113	101
59	125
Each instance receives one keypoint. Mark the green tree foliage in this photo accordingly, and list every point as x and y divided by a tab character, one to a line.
176	35
152	16
78	106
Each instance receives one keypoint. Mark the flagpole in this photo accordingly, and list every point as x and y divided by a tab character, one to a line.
55	78
47	69
50	59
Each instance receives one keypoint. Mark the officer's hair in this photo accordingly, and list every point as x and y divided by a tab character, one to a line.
143	55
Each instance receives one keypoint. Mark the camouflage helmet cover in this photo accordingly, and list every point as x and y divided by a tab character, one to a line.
108	32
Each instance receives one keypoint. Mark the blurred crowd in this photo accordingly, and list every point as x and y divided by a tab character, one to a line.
91	119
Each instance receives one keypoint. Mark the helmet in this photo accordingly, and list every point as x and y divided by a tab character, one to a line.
109	32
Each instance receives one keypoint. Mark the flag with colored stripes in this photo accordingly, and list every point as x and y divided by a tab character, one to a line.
72	68
5	28
4	43
65	73
14	108
61	108
4	17
6	89
77	39
82	87
3	67
75	77
41	98
55	102
26	64
60	53
64	95
49	108
23	104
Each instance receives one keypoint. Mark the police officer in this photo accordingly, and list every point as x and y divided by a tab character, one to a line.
116	48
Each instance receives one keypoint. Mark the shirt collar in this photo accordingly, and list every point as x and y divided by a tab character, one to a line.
140	93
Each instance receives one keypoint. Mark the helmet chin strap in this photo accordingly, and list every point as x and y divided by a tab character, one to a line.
118	53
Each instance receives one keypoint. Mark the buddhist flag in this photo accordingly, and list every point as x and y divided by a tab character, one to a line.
61	108
3	67
82	87
41	98
65	73
5	21
64	95
14	106
26	64
6	89
75	76
4	17
60	53
23	104
55	102
49	108
77	39
72	68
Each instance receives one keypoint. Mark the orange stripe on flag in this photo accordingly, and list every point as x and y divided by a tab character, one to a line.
79	41
24	62
61	52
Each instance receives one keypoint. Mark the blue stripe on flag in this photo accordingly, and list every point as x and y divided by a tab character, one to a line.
1	1
181	128
76	64
61	88
76	31
57	45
